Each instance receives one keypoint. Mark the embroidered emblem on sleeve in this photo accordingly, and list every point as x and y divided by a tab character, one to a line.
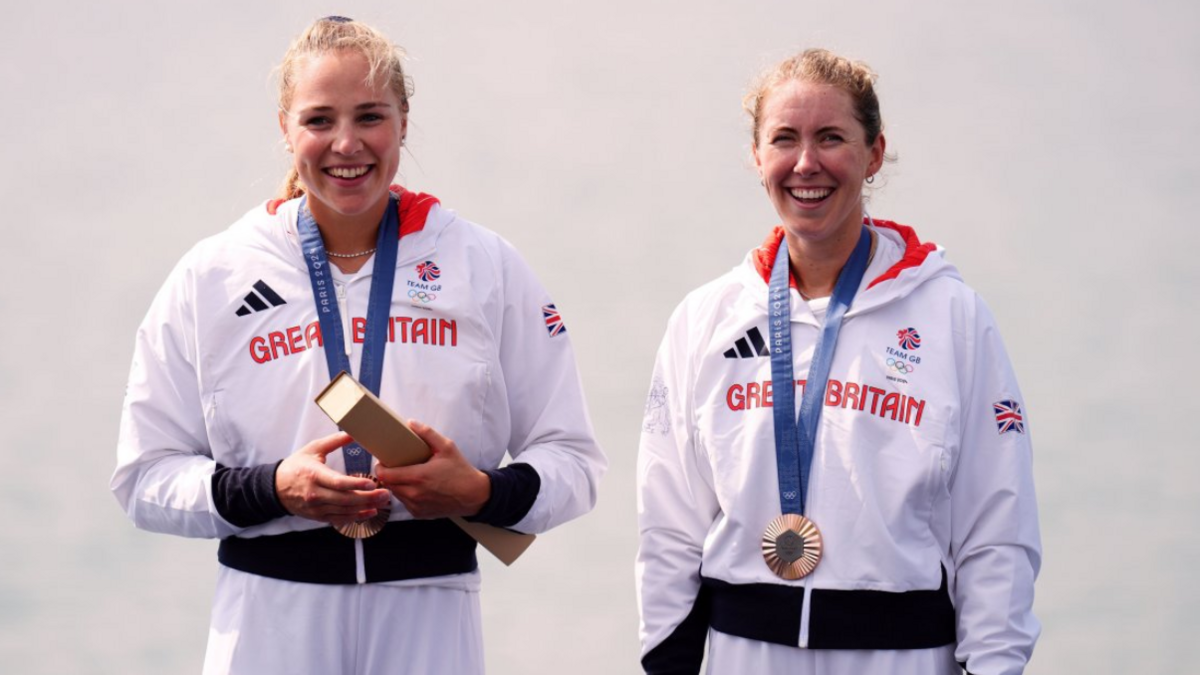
1009	417
656	420
554	322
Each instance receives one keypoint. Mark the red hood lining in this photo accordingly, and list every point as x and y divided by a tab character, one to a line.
914	252
414	208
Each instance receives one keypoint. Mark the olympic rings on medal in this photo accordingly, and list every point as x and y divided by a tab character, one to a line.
421	296
900	366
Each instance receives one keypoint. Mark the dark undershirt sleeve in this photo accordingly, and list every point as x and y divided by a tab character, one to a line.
683	651
245	496
514	489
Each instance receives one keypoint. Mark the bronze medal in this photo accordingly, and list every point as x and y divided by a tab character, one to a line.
791	545
361	529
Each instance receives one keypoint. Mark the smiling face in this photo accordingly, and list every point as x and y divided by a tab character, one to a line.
345	136
812	155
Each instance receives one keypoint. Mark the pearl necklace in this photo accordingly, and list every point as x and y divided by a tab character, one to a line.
349	255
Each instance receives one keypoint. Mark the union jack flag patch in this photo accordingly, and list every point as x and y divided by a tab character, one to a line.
554	322
1009	417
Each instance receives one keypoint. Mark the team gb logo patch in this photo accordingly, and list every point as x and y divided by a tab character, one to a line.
908	339
428	271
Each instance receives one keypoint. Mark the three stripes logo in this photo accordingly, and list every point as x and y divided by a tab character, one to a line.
748	350
257	302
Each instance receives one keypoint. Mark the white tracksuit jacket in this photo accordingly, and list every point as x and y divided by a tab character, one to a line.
228	361
921	482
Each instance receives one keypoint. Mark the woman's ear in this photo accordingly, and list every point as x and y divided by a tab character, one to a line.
283	129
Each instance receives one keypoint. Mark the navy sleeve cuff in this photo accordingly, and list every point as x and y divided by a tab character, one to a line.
682	653
245	496
514	490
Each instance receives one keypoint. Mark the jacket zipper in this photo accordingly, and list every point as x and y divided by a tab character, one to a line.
344	310
360	570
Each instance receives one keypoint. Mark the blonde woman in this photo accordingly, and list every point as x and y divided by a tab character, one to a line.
345	271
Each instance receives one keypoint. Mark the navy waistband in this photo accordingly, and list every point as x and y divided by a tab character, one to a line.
837	619
407	549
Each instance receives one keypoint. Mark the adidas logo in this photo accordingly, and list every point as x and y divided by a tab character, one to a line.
748	350
255	300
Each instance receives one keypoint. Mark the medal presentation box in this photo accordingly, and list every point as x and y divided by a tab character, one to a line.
385	435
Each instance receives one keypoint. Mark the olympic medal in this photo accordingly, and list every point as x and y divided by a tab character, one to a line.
361	529
791	546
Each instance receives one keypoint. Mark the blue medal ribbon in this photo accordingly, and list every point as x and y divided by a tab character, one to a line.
795	438
379	309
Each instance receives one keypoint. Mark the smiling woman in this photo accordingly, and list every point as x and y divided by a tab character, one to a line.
813	157
346	136
817	137
894	529
330	565
343	110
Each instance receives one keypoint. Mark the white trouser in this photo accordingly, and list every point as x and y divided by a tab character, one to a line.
731	655
262	626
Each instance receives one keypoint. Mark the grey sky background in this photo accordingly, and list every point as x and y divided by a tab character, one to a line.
1048	146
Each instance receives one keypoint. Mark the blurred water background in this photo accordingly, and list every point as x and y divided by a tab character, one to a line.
1048	146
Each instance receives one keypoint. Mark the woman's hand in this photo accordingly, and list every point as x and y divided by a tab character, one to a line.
310	489
444	485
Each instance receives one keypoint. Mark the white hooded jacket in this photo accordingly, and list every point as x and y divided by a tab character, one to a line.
921	482
229	359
